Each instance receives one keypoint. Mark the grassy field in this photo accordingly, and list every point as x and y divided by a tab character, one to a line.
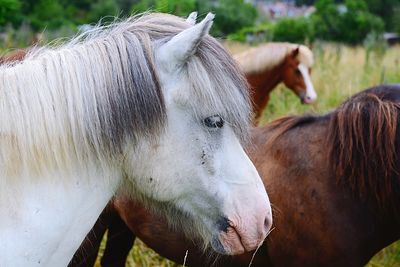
339	72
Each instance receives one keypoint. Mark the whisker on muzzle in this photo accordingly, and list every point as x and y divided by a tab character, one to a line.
259	245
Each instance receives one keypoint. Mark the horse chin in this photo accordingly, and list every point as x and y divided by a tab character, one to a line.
307	102
232	242
217	246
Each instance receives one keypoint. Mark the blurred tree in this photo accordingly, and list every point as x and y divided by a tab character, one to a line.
76	11
388	10
125	6
47	14
311	2
350	25
143	5
232	15
10	11
326	20
79	4
105	10
358	22
294	30
177	7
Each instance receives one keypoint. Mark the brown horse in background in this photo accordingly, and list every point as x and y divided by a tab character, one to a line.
268	65
333	180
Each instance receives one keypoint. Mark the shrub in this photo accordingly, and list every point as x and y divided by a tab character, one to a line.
10	11
233	15
260	33
351	25
47	14
177	7
105	10
294	30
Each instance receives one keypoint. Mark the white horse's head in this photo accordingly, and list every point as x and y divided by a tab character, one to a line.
197	167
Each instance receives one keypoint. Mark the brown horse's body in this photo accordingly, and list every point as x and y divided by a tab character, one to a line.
324	215
262	85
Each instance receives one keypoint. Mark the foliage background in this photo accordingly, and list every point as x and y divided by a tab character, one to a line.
347	21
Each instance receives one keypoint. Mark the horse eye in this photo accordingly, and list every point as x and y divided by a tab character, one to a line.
214	121
298	72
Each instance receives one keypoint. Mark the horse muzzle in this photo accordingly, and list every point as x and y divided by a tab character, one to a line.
240	237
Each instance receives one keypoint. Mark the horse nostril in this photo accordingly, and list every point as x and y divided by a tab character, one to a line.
267	224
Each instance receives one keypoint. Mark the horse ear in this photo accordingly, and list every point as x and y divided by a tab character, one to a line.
191	19
295	52
176	51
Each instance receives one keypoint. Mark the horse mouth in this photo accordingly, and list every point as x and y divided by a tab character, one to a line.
229	242
305	100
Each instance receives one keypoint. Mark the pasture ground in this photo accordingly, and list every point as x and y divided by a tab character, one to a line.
339	72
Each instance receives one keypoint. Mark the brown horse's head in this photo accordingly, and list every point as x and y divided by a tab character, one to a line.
296	76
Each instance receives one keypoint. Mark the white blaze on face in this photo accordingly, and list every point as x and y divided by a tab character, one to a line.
311	95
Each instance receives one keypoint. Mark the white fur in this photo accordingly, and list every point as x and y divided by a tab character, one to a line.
191	19
311	95
175	53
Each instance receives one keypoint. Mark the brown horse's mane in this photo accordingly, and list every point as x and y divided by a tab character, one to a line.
363	143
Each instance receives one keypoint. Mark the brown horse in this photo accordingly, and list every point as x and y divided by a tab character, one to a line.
270	64
333	180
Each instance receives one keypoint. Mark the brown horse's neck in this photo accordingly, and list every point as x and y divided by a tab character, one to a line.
261	85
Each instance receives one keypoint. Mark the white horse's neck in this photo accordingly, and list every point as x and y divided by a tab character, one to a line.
62	113
48	222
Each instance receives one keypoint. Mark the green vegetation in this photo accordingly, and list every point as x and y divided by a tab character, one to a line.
388	10
350	27
52	15
350	23
294	30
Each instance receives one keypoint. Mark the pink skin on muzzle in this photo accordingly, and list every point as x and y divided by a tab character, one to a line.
247	231
308	100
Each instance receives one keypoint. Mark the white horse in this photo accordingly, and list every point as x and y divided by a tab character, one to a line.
153	105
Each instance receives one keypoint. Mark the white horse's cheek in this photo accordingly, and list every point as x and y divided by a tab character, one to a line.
177	148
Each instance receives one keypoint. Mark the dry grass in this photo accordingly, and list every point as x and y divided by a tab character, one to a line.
339	72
